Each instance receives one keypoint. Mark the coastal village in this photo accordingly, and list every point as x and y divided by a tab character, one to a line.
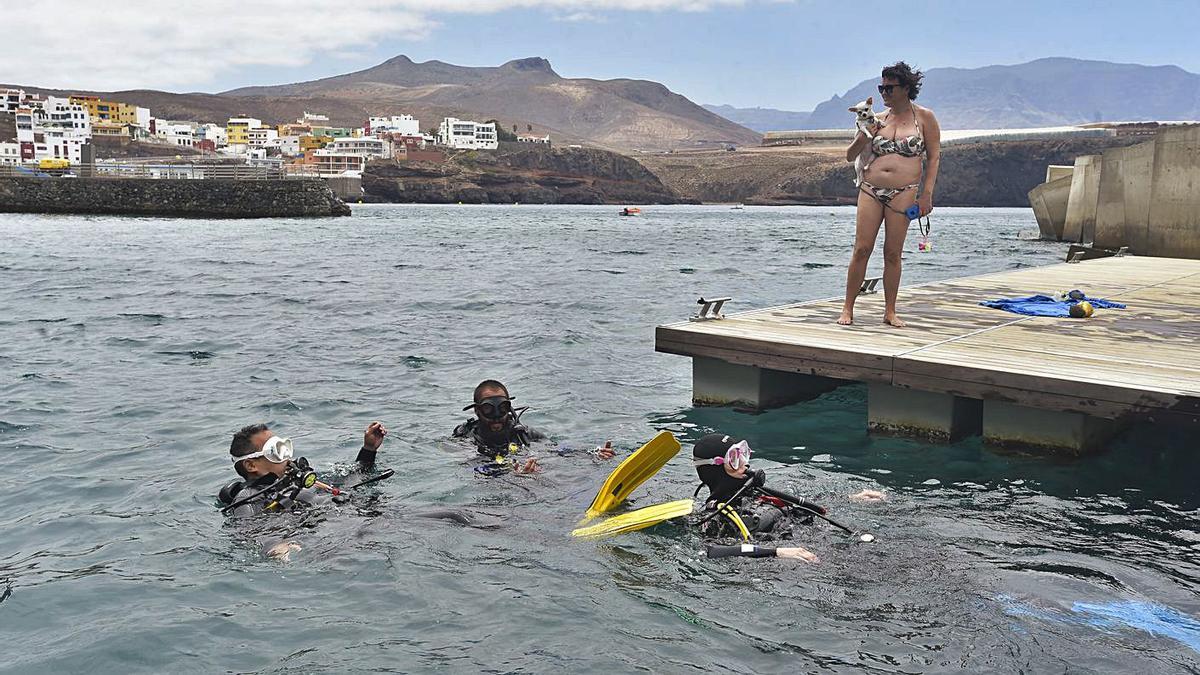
55	133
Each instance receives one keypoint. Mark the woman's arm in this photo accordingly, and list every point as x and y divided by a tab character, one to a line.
933	150
860	141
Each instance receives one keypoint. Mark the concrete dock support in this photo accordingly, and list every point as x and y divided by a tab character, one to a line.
1010	425
922	414
717	382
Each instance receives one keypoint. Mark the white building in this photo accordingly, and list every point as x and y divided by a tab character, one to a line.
262	137
52	128
348	156
11	99
313	119
405	125
458	133
175	133
289	146
10	153
534	139
212	132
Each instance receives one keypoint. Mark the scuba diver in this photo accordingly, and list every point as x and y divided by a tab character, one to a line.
739	505
498	433
274	479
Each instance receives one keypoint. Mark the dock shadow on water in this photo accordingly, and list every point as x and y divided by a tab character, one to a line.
117	560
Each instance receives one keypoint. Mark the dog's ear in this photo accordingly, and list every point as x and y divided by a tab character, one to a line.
870	100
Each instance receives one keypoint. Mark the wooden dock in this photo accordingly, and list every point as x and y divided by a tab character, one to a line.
960	368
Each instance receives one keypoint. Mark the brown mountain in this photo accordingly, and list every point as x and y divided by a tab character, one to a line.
617	114
621	115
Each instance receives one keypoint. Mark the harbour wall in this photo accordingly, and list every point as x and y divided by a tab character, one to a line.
208	198
1145	197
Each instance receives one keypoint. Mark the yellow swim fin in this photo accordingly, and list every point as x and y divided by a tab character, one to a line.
632	472
636	520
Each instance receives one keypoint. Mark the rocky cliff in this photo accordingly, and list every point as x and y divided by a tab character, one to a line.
519	174
997	173
180	198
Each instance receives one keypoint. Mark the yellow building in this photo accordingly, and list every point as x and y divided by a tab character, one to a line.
100	110
237	127
313	142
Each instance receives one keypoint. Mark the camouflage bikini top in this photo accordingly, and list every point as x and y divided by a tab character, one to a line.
909	146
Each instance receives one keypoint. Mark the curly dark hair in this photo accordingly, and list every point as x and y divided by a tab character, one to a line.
907	77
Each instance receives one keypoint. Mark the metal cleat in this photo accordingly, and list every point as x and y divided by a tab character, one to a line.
870	285
709	309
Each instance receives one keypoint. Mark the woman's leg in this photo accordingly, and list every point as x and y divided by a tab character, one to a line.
866	229
895	231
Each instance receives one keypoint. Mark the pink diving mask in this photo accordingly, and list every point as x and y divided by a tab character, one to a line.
737	456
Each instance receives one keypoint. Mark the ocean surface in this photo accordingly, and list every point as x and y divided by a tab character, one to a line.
132	348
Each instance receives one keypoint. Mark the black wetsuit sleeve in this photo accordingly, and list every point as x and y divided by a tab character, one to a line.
366	459
532	434
464	430
740	550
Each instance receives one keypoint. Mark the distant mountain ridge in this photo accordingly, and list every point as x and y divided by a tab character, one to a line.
621	114
762	119
1044	92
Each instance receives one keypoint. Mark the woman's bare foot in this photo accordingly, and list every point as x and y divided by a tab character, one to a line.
893	320
847	318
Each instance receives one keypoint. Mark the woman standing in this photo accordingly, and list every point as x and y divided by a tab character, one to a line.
902	170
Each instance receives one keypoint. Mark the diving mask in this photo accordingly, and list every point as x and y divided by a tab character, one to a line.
494	408
277	450
737	456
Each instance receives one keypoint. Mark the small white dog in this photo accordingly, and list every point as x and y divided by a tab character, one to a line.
868	123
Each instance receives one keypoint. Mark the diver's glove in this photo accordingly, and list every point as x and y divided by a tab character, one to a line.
757	478
230	492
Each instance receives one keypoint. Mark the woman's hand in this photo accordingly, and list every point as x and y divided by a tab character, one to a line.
605	451
925	201
373	438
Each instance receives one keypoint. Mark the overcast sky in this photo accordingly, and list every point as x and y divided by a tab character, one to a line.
789	54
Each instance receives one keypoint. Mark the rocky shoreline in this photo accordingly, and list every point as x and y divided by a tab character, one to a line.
518	175
992	174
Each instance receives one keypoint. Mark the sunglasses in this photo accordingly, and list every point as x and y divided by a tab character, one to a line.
887	88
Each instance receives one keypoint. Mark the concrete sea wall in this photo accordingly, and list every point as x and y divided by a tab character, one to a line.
1145	197
1081	204
1049	202
171	197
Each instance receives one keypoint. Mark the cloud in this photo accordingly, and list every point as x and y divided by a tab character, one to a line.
84	44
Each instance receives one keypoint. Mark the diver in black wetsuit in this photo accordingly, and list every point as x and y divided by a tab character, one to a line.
497	431
274	480
746	509
740	505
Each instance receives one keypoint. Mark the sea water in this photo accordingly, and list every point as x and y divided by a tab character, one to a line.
132	348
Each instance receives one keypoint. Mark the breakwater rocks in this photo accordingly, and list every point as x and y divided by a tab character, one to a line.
519	175
208	198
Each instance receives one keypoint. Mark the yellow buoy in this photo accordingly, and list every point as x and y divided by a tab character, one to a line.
1082	310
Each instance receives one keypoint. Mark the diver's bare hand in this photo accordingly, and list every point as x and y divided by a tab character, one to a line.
606	451
373	438
530	466
798	553
868	496
283	550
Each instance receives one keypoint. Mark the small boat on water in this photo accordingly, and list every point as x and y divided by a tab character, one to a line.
738	207
630	211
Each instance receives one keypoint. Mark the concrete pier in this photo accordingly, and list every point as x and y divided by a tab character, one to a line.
961	369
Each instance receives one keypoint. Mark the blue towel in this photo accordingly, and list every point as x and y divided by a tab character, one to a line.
1044	305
